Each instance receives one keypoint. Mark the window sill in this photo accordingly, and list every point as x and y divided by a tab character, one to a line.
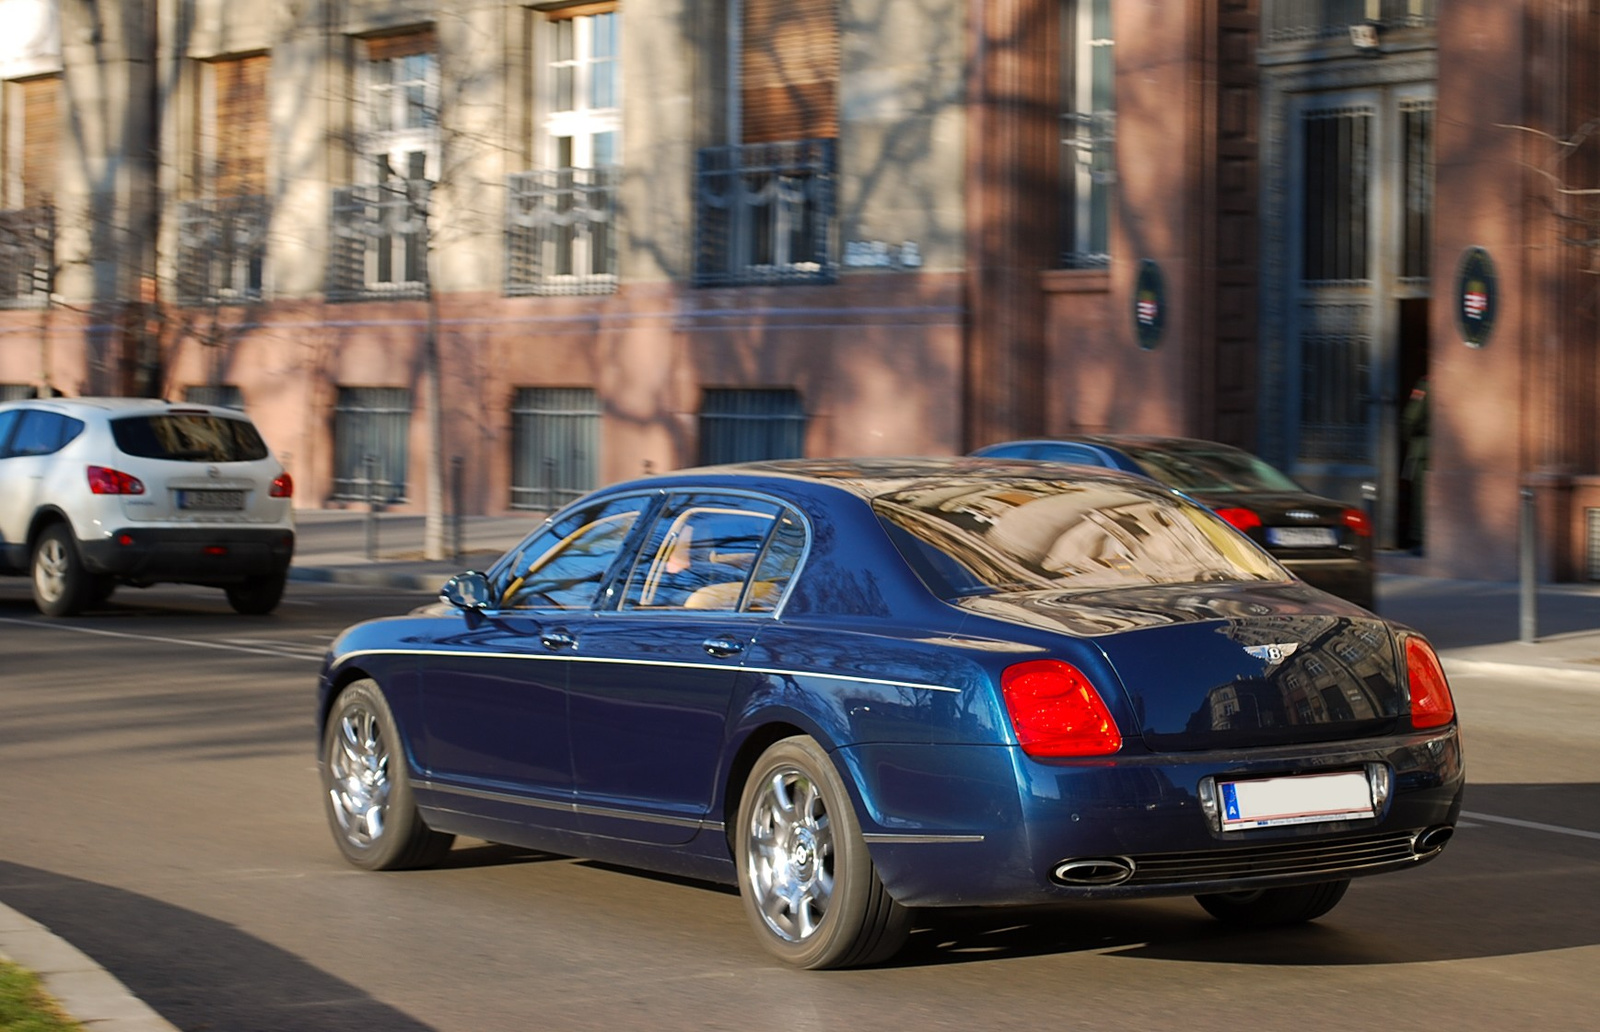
1075	281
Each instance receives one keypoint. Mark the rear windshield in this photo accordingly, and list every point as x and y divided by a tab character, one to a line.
189	437
1020	534
1211	471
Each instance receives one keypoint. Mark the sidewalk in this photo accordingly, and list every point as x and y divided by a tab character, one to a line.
1475	626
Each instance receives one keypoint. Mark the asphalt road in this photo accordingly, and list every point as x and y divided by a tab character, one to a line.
158	809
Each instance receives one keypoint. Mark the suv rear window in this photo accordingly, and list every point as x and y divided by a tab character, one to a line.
189	437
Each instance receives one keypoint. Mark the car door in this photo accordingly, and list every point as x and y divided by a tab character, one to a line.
494	691
653	676
25	461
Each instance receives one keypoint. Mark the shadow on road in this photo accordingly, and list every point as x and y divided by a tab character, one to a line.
198	972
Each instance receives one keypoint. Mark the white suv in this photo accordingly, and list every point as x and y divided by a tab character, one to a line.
96	492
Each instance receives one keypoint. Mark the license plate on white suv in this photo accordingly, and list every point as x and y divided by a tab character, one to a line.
211	501
1272	802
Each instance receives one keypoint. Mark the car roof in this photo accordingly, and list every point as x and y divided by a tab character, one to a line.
873	477
1160	441
119	406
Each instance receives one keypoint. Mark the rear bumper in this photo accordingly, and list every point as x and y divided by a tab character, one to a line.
984	825
191	555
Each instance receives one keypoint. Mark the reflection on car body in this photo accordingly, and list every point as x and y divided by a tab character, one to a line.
858	688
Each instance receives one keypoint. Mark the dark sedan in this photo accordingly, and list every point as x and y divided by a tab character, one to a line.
1325	542
855	688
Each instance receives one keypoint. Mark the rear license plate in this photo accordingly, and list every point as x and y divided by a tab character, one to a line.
211	501
1273	802
1302	537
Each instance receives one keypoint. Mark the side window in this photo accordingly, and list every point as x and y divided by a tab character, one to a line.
701	553
563	566
40	433
7	421
1071	453
777	567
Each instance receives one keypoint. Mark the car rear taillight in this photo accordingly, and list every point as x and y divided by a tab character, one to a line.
1056	711
1242	519
104	480
1431	705
1357	521
282	486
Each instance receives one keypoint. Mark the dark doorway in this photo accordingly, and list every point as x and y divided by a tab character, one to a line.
1411	419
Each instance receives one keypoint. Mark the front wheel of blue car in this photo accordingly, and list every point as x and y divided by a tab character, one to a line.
809	886
366	789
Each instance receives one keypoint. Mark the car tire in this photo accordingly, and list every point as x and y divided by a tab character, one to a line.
61	585
809	887
1264	908
366	788
101	589
257	596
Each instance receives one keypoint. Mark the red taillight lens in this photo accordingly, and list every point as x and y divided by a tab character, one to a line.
1056	711
103	480
1431	705
282	486
1358	523
1243	519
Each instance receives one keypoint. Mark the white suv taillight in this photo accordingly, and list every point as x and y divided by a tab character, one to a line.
103	481
282	486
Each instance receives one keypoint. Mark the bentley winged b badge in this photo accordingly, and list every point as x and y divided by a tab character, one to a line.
1273	653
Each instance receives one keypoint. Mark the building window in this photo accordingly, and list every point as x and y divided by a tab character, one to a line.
1416	128
561	218
765	206
555	446
1298	21
371	426
222	235
224	395
29	135
1087	157
380	225
748	425
15	391
1338	169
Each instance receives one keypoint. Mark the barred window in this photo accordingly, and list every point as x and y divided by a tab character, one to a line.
371	427
226	395
1338	171
748	425
1416	127
1295	21
555	446
29	149
222	235
16	391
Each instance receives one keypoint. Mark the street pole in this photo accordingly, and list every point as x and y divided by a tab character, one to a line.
1528	608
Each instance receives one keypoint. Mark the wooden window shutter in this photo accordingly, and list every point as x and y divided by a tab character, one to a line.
388	48
582	10
41	136
242	126
789	70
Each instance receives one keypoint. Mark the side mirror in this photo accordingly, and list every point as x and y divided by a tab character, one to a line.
469	591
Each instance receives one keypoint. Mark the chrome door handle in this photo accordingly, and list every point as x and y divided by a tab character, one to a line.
558	640
722	647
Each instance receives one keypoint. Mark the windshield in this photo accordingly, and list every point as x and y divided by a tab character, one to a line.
1211	470
1020	534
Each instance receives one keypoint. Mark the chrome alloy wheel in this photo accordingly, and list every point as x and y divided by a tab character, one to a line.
358	775
791	854
52	565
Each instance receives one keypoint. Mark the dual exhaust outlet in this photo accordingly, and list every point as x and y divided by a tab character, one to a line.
1103	871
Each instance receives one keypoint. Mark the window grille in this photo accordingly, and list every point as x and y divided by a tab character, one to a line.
561	231
555	446
1297	21
765	214
1337	189
16	391
748	425
222	248
1088	168
371	426
225	395
1592	519
1416	126
379	242
27	256
1334	349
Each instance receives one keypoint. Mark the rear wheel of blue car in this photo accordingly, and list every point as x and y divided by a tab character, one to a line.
809	887
1264	908
365	787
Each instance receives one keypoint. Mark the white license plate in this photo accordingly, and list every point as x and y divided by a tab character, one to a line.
211	501
1302	537
1272	802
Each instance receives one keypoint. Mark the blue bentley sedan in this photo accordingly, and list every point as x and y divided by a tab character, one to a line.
856	688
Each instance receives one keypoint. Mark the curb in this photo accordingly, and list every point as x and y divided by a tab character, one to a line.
367	578
88	993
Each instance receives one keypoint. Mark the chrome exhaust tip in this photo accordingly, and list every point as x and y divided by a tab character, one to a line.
1430	840
1093	871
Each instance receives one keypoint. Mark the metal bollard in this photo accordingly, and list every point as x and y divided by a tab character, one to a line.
369	468
455	507
1528	607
